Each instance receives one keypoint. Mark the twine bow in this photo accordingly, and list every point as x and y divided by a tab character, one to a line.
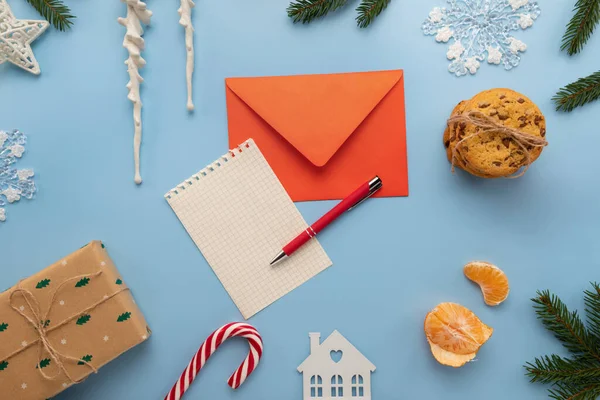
489	125
38	322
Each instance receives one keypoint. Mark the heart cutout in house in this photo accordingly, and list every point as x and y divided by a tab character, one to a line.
336	355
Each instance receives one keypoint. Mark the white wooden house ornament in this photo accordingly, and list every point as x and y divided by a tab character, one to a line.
335	370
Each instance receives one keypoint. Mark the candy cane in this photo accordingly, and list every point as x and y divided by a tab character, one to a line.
210	345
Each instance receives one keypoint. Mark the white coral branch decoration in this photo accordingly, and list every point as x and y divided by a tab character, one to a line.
137	13
185	12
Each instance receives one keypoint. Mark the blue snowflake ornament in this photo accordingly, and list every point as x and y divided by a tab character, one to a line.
481	30
14	183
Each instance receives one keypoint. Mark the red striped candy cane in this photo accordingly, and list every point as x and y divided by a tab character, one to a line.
210	345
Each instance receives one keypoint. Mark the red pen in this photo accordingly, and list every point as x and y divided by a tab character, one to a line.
361	194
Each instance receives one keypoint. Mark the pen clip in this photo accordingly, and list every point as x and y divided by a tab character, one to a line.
374	185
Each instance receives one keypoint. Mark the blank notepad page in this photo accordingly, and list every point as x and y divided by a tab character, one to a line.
240	216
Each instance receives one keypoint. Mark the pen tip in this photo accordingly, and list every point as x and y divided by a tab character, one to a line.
278	258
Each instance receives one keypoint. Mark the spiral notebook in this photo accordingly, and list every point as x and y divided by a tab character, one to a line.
240	216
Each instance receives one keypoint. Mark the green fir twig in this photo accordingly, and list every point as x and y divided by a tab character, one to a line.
592	309
581	26
578	93
306	11
550	369
55	12
368	10
576	377
574	392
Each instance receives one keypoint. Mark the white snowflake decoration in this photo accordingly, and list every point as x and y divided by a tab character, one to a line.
14	183
16	36
481	30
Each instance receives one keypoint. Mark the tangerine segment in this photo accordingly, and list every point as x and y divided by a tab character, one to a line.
456	329
491	279
448	358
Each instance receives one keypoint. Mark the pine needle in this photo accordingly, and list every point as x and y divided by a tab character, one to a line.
578	93
581	26
307	10
368	10
566	326
592	309
574	392
577	377
550	369
55	12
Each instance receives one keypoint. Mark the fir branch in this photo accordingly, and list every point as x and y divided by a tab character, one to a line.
55	12
555	369
581	26
592	309
578	377
578	93
307	10
574	392
368	10
566	326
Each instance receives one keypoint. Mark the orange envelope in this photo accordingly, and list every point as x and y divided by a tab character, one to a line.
324	135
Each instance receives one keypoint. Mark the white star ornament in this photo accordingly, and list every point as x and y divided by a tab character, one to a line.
16	36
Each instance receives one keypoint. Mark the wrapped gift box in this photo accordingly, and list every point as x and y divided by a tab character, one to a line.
64	323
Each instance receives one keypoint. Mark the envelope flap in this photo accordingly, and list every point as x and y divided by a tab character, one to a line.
315	113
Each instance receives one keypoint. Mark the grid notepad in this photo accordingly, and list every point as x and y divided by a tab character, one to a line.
240	216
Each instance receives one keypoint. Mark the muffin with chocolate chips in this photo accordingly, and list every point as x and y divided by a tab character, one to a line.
492	154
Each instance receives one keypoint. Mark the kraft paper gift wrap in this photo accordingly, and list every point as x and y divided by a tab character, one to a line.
64	323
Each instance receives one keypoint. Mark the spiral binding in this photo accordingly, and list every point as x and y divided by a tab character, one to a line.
209	168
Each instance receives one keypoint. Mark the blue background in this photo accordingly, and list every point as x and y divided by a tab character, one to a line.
394	259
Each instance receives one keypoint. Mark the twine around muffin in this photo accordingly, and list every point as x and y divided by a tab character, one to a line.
489	125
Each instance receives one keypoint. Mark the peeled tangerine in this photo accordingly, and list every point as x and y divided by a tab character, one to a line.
492	281
455	334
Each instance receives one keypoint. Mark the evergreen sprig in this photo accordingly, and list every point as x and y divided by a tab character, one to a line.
581	26
577	377
55	12
578	93
574	392
306	11
368	10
